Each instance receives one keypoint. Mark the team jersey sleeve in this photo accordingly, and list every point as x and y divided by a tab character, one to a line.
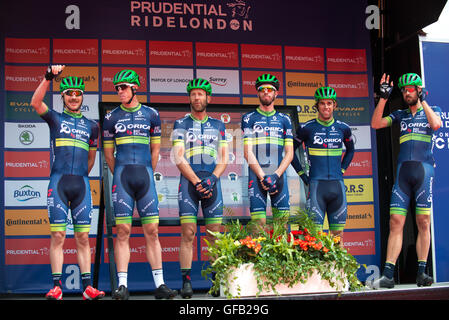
350	148
288	134
248	134
222	142
155	131
51	117
108	131
393	117
94	136
178	134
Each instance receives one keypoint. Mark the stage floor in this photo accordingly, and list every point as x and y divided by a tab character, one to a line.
438	291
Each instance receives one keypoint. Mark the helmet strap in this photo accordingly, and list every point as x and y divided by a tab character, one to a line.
133	89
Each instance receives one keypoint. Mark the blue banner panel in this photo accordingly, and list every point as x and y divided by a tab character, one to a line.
435	66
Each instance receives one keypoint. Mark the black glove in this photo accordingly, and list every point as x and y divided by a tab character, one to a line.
423	94
208	184
385	90
49	74
270	182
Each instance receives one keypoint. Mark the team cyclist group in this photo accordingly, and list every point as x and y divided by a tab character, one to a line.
131	135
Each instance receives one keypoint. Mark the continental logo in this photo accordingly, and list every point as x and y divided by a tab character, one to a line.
359	190
303	84
360	217
26	222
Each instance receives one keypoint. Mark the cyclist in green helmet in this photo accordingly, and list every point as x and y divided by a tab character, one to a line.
414	173
268	150
132	141
324	138
69	188
200	152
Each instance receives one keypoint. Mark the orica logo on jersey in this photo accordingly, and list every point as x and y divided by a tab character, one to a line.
410	126
192	137
66	129
319	140
120	127
260	129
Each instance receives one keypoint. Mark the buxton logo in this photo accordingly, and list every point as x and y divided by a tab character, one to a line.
26	193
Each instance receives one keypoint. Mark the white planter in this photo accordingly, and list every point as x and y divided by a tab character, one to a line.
242	283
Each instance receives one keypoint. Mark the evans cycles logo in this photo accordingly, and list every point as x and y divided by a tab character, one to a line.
192	15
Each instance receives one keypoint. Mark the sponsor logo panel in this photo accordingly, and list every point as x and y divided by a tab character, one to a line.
261	56
222	81
75	51
123	51
361	165
359	190
304	58
171	53
305	107
37	251
360	243
27	222
217	54
27	164
303	84
26	193
249	78
88	74
27	135
349	85
27	50
353	110
19	78
18	107
169	80
346	60
360	216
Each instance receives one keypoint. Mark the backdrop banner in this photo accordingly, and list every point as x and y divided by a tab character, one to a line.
306	44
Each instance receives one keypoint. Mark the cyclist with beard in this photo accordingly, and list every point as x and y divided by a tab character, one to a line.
268	150
74	143
415	171
133	131
201	153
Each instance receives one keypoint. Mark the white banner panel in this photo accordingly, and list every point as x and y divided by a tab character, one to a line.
169	80
27	135
222	81
26	193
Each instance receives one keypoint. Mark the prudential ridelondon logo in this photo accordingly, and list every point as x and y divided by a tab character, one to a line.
235	15
26	193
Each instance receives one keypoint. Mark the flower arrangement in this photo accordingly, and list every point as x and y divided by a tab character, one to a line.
279	255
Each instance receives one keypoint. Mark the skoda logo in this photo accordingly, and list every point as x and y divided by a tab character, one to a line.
26	137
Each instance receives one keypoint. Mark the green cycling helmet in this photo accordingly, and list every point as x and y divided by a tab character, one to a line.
200	84
126	76
409	79
325	93
267	78
71	83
